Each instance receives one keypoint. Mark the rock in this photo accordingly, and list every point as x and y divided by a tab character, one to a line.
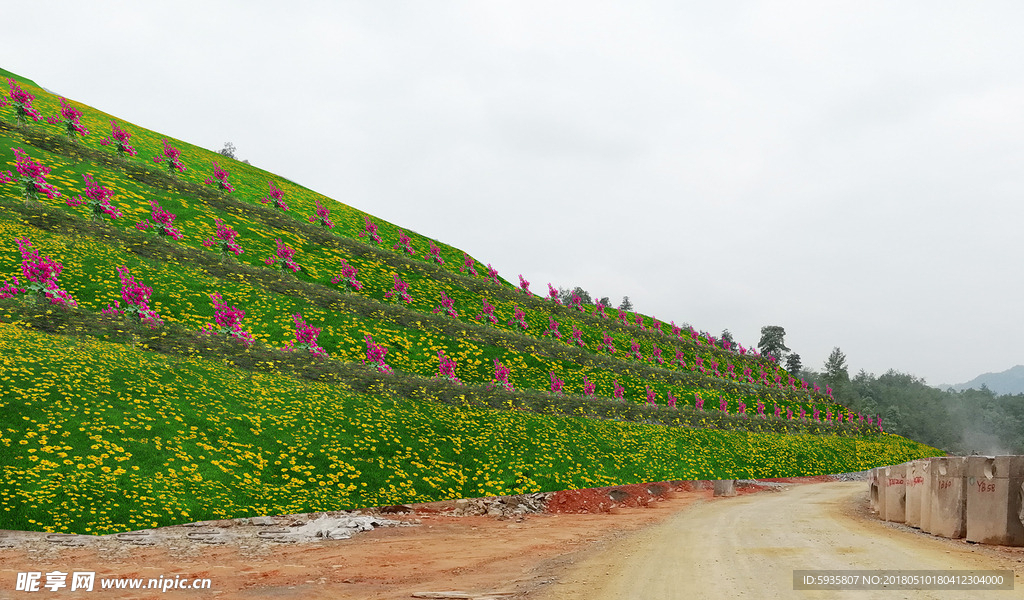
398	508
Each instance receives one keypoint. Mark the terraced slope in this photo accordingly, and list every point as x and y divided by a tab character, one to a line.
662	398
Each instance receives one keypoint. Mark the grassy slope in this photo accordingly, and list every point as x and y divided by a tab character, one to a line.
506	452
188	439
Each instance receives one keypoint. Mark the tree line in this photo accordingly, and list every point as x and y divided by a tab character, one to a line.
965	422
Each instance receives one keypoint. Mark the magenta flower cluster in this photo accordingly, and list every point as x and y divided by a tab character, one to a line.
284	258
435	253
518	318
305	337
634	349
119	137
375	354
220	177
173	157
447	306
552	329
492	273
607	343
22	101
71	117
400	289
488	312
553	295
276	197
162	222
404	243
501	373
576	302
40	277
577	336
589	387
322	216
557	385
468	263
98	199
348	275
524	285
446	367
227	320
136	297
224	237
369	229
32	175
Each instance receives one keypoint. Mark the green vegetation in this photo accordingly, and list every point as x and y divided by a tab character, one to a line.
110	425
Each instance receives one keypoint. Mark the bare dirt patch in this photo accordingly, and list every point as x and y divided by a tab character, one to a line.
499	556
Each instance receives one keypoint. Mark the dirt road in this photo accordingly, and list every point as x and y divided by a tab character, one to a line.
748	547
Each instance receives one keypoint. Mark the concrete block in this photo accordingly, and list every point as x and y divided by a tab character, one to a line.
948	488
926	495
880	475
896	493
725	487
914	483
873	489
994	500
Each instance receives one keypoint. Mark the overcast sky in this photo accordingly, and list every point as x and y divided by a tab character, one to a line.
851	171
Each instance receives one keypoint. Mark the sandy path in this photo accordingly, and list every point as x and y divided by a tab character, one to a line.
477	555
748	547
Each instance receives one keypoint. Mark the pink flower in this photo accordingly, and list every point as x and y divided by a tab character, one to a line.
404	243
370	230
98	199
435	253
524	285
22	101
162	222
401	289
119	137
220	177
172	155
276	197
224	237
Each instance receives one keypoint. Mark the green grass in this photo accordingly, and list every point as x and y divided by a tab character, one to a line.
107	425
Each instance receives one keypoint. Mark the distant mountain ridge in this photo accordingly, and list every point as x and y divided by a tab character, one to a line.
1010	381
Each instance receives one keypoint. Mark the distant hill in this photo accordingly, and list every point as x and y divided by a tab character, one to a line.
1010	381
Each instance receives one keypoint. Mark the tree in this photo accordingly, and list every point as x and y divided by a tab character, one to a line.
773	341
565	295
626	304
605	301
727	337
583	294
835	368
793	364
228	150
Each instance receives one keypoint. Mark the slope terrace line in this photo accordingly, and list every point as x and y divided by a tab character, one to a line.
162	251
215	199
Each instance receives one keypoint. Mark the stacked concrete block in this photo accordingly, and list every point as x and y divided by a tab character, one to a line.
926	494
994	487
948	488
895	490
725	487
914	484
873	489
880	481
